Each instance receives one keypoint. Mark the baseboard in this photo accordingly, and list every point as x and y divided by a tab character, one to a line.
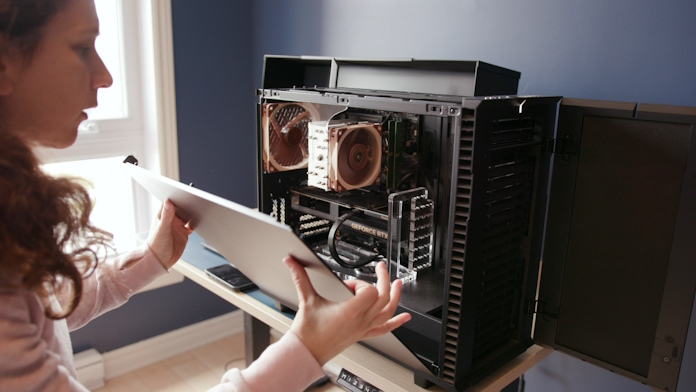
135	356
89	366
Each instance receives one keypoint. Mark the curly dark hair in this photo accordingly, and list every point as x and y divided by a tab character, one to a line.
22	21
47	243
46	237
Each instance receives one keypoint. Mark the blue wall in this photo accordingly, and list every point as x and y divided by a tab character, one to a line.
215	97
618	50
622	50
150	314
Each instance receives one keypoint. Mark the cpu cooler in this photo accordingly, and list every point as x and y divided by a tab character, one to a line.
355	152
285	127
344	155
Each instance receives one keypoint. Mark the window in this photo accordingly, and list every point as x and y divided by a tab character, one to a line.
113	102
135	116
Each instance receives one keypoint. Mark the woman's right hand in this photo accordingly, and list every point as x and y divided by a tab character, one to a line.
327	328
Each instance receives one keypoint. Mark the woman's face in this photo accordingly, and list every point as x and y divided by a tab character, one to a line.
48	94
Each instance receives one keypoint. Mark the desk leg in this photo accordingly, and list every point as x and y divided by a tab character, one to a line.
257	336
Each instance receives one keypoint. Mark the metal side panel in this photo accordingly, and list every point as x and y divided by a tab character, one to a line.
618	276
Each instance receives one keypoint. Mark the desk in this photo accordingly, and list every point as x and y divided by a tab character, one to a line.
357	359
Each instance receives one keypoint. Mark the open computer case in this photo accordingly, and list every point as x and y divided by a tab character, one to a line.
512	220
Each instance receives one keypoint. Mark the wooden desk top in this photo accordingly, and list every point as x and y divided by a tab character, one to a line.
357	359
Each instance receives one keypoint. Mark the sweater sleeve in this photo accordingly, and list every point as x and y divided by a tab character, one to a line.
113	282
286	365
31	359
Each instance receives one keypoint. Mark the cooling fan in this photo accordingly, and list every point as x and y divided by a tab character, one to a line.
285	127
355	152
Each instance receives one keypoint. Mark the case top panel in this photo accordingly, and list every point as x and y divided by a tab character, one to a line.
437	77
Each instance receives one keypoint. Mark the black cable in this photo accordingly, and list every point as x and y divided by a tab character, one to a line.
332	244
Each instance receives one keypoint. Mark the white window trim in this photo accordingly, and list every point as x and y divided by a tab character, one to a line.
160	69
161	56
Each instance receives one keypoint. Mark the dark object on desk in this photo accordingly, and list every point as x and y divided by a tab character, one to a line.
354	383
231	276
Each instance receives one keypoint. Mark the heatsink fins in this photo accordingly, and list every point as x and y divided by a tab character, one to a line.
344	156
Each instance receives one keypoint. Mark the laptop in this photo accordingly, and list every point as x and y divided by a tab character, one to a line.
256	244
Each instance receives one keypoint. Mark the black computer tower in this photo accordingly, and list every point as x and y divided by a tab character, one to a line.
510	219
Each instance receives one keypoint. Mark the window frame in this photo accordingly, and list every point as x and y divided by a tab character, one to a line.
149	132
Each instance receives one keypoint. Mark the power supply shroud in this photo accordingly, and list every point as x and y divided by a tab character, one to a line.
603	192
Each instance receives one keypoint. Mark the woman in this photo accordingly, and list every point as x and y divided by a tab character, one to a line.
53	273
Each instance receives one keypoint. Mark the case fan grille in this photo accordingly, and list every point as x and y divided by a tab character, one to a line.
461	220
356	156
507	206
285	130
506	200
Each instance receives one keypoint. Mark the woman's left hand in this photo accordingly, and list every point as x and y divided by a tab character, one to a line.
328	327
168	235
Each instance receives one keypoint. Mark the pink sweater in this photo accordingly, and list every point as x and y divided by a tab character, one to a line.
36	353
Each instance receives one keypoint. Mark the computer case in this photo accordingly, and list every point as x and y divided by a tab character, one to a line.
511	220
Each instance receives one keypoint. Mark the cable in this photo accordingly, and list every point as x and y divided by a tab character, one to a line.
332	244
